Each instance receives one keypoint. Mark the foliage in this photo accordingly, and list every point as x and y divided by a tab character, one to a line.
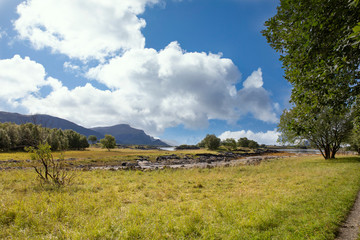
76	140
50	170
245	142
229	143
108	142
253	144
356	29
4	140
185	146
355	140
92	139
211	142
277	199
321	61
317	54
17	137
323	130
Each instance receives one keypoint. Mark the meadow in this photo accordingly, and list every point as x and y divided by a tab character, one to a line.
94	156
289	198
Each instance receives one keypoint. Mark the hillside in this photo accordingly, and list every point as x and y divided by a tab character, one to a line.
47	121
123	133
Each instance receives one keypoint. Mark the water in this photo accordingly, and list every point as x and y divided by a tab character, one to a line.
168	148
299	150
295	150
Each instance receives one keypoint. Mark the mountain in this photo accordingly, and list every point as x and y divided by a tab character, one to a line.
124	134
47	121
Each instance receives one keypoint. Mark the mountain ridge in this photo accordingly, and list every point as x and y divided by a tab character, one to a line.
123	133
132	135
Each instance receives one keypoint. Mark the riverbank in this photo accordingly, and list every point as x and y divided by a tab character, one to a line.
139	159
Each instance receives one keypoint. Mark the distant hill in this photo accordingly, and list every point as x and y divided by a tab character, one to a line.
124	134
47	121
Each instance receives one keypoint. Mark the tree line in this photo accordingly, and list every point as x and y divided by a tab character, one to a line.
212	142
14	137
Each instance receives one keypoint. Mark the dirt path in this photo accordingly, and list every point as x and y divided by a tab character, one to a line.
350	228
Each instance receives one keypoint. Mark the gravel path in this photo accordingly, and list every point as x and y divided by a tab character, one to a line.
350	228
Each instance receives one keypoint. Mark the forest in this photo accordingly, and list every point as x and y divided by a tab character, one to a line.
15	137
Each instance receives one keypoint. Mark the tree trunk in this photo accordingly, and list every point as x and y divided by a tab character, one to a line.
333	154
327	152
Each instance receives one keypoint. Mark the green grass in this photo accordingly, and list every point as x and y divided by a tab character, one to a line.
95	156
293	198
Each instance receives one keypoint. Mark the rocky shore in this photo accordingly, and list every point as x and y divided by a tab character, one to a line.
204	160
143	162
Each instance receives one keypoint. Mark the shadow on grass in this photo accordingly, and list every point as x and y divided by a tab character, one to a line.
340	159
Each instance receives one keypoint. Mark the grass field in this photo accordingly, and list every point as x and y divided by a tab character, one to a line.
95	156
291	198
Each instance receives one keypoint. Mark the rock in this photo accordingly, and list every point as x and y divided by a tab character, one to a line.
167	157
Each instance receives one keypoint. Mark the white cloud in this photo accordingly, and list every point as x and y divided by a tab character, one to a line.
83	29
257	102
174	87
68	66
255	99
268	138
21	77
255	80
149	89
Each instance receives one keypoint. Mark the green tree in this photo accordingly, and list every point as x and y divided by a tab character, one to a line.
108	142
321	60
356	29
324	130
318	55
229	143
354	139
76	140
26	138
243	142
4	140
53	140
63	140
92	139
83	142
211	142
13	133
253	144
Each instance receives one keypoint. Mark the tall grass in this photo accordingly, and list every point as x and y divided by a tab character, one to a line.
294	198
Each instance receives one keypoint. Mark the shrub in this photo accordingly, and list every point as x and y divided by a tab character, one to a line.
49	170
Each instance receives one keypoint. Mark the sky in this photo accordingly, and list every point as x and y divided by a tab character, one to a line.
177	69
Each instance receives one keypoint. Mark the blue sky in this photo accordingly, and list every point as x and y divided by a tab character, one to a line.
176	69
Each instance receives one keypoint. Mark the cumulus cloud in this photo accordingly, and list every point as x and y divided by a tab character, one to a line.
174	87
83	29
268	138
149	89
21	77
255	80
255	99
